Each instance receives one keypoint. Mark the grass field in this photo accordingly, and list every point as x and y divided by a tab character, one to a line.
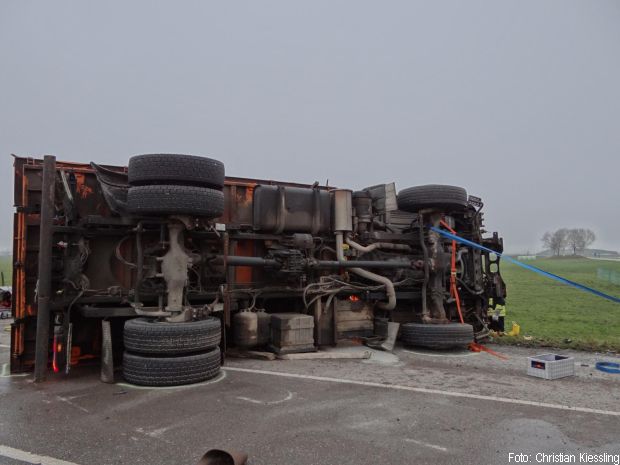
6	266
558	315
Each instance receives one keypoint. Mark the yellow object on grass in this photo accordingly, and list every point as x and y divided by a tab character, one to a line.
515	331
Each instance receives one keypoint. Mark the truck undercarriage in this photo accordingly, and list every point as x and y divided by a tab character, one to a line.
206	262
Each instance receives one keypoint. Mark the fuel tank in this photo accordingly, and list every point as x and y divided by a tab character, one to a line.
284	209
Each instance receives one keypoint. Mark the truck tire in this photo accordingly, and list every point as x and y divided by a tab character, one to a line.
171	371
440	336
161	168
148	336
168	199
414	199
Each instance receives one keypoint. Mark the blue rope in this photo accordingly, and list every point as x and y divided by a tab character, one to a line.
555	277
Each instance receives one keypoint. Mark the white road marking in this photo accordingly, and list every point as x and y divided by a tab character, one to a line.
156	432
399	387
217	379
159	432
4	346
288	397
71	403
427	444
28	457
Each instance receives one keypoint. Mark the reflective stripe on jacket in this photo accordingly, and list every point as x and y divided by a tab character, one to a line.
500	309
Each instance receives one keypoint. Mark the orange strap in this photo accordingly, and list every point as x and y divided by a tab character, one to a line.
453	290
475	347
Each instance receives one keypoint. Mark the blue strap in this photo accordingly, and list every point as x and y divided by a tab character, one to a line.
555	277
608	367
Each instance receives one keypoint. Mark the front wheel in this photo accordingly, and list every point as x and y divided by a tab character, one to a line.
414	199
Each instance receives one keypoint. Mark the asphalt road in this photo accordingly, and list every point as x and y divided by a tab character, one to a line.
412	408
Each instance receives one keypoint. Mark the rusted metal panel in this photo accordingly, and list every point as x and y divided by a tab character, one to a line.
243	274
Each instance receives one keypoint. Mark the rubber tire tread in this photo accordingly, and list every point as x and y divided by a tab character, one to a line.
162	168
147	336
171	371
414	199
440	336
175	200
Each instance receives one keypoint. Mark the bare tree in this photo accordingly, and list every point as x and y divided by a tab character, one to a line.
546	240
579	239
556	240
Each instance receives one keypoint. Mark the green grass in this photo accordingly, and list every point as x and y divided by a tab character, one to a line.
6	266
558	315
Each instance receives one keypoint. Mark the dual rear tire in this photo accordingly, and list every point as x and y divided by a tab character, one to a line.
171	354
172	184
163	353
171	371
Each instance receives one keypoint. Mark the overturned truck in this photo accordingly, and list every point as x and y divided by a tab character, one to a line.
163	265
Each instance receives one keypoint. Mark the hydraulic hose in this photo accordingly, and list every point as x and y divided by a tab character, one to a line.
377	245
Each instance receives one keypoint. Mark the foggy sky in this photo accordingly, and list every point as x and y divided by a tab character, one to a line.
518	101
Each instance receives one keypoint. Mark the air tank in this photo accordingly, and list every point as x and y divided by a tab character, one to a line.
245	329
251	329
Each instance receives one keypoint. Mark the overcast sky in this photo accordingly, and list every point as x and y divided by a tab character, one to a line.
518	101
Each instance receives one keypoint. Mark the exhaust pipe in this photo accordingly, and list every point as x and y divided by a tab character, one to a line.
343	223
389	287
